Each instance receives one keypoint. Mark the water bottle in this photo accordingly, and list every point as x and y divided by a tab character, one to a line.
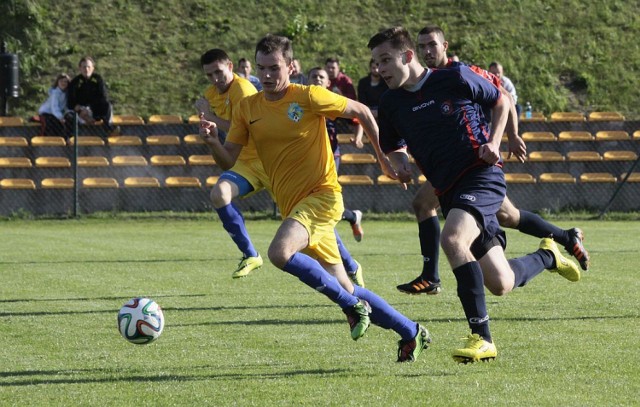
528	112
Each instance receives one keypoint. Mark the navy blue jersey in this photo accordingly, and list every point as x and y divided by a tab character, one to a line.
440	123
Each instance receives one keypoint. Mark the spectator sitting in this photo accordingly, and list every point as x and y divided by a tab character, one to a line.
496	69
244	70
296	74
54	108
87	96
340	83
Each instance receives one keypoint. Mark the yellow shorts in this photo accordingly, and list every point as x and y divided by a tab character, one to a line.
319	213
253	172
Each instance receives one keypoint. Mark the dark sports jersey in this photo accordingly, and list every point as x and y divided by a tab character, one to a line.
440	123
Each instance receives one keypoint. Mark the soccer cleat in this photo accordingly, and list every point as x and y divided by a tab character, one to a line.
358	317
565	267
357	226
408	351
247	265
420	286
576	248
357	278
476	349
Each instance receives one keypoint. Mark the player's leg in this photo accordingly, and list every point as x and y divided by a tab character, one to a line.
425	204
354	217
351	266
229	186
534	225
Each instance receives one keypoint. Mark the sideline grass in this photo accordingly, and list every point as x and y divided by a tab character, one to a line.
269	340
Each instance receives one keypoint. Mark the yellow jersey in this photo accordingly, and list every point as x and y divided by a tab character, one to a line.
291	139
222	104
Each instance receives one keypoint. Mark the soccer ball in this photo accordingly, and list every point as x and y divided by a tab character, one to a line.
140	321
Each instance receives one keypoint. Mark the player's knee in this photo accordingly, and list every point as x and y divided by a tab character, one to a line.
451	245
220	196
423	208
278	255
498	289
507	219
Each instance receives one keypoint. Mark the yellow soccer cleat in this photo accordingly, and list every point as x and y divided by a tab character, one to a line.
475	350
565	267
247	265
357	277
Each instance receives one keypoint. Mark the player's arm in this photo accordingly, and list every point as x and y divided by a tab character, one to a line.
516	145
203	107
490	152
368	123
400	161
225	154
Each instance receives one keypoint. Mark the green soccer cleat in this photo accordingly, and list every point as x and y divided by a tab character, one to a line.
565	267
475	350
358	317
408	351
357	278
247	265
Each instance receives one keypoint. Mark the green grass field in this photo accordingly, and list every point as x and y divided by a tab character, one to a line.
268	340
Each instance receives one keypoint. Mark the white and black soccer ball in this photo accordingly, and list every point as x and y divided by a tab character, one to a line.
140	321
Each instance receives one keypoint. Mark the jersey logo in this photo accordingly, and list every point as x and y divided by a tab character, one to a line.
468	197
294	112
446	108
423	105
253	121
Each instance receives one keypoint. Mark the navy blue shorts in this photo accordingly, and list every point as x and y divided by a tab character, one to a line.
480	193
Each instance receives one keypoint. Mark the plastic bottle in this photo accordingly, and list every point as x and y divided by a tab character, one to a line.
528	112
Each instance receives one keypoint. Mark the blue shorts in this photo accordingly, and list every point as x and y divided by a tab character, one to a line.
480	193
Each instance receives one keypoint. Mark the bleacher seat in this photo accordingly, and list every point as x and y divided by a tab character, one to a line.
194	119
11	121
13	142
633	177
583	156
141	182
535	117
422	179
57	183
620	155
345	138
190	139
127	119
48	141
93	161
129	161
125	141
212	180
636	135
182	182
385	180
545	156
533	136
557	177
575	136
53	162
87	141
100	182
605	116
163	140
503	154
166	160
203	159
17	183
355	180
15	162
164	119
567	117
612	135
519	178
357	158
597	177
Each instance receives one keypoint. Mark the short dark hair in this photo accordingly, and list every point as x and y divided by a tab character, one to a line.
332	60
430	29
86	59
398	37
214	55
271	43
241	60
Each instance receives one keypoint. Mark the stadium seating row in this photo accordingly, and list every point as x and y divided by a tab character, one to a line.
194	182
176	119
54	141
603	135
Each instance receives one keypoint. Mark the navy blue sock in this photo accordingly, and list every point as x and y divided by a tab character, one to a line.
310	272
429	234
527	267
233	223
349	216
349	263
385	316
533	225
471	294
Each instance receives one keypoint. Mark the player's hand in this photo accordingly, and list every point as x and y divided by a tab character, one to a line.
517	148
489	153
208	130
357	142
403	175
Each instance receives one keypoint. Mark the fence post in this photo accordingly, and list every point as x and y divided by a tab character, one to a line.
76	185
